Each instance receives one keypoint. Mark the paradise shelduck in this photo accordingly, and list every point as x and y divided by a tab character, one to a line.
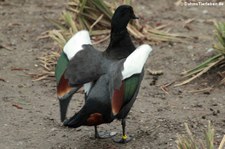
120	47
116	85
101	74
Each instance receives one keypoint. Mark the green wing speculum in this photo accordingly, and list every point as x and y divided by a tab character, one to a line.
131	85
61	66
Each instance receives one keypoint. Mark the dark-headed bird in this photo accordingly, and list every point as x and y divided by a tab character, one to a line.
111	82
120	47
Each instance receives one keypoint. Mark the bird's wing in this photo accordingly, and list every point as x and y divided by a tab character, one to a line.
85	66
77	66
72	47
124	90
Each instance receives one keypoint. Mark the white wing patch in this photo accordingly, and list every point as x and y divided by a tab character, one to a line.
75	43
136	60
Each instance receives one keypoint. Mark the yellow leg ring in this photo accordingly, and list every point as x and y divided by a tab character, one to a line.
124	137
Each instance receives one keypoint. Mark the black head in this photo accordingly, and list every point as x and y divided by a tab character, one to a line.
121	18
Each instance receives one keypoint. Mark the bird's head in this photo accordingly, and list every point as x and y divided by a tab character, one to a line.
121	18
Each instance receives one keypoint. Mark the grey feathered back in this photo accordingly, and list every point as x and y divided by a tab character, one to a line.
84	67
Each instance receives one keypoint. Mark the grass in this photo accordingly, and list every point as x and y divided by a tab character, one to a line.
95	16
189	141
215	61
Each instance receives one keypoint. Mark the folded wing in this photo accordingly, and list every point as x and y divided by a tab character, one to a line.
132	73
78	65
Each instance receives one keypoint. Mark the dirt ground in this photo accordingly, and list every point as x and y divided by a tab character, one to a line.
29	112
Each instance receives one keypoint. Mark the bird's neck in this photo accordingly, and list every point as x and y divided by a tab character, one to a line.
120	45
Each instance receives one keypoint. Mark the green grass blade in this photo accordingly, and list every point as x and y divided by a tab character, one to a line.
102	7
67	16
128	2
209	137
56	24
220	36
202	65
83	3
207	68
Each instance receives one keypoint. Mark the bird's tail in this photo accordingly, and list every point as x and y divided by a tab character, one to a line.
64	102
76	121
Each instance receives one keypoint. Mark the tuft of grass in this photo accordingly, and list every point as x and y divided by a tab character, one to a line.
95	16
214	61
186	141
189	141
220	36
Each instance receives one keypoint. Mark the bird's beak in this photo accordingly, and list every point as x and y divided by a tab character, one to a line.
135	17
